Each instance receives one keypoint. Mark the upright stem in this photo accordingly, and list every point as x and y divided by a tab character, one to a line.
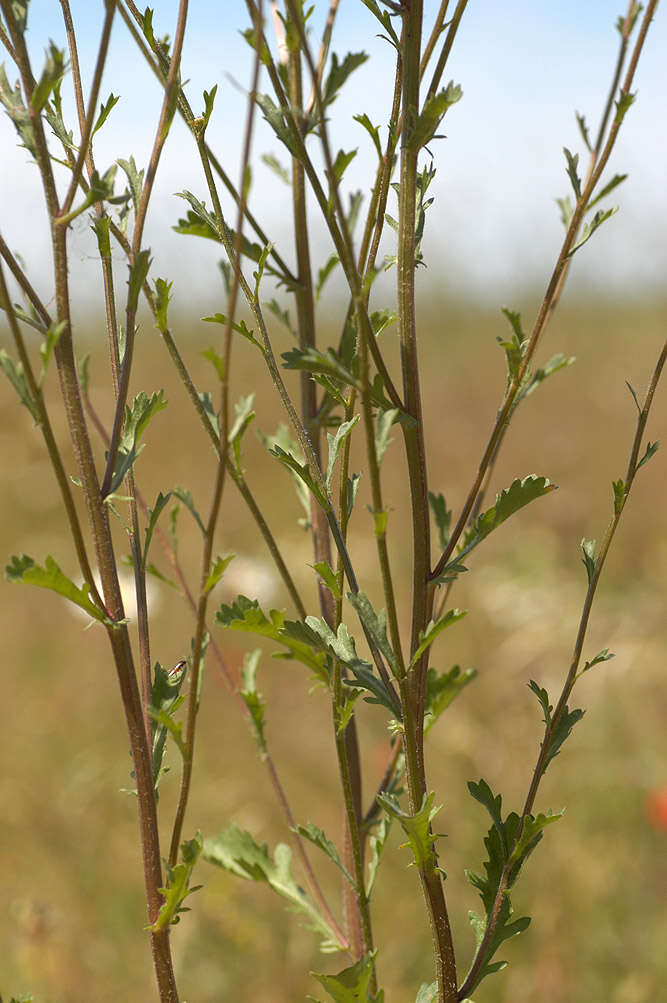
412	687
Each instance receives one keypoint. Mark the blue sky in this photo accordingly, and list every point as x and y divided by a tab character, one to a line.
494	229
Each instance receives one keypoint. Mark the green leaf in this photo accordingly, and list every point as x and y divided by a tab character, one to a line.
319	364
417	828
581	122
651	450
341	163
509	501
153	516
135	178
335	443
383	424
209	101
427	993
302	471
54	70
338	74
50	341
365	679
328	577
428	636
566	211
101	190
602	656
532	833
572	163
375	624
609	187
246	615
165	701
251	697
351	495
441	689
277	120
589	228
619	495
555	363
186	497
442	516
16	376
588	560
143	409
383	17
272	161
372	130
24	571
324	273
105	111
352	984
218	568
543	698
315	836
10	98
625	99
260	268
138	275
432	115
177	889
240	328
244	415
283	315
376	844
515	349
562	731
235	850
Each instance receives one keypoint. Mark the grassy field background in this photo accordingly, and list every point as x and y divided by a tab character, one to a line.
71	926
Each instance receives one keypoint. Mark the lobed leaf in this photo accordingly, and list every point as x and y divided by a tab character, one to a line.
351	985
441	689
417	828
428	636
24	571
178	881
251	697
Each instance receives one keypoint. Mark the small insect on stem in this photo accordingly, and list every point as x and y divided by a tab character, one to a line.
177	668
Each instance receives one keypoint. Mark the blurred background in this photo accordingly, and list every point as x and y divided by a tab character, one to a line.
71	926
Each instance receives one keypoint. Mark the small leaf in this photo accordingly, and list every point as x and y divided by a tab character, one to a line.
47	346
328	577
244	415
384	18
338	74
651	450
165	700
274	116
509	501
532	833
376	844
10	98
619	495
609	187
562	731
432	114
251	697
581	122
441	689
417	828
218	569
554	365
324	273
572	164
602	656
236	851
105	111
383	424
177	889
589	228
302	471
543	698
566	211
315	836
625	99
588	547
272	161
428	636
16	376
162	300
341	163
24	571
375	624
54	70
143	409
428	993
352	984
138	275
135	178
493	803
153	516
372	130
186	497
442	516
335	443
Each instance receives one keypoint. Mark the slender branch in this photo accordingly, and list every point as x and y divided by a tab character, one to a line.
447	48
544	311
166	117
89	120
572	676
